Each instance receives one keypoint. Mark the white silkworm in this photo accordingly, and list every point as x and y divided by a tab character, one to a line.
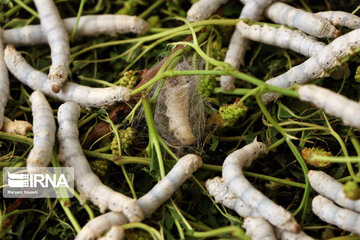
177	109
332	189
253	10
258	229
44	132
332	103
83	95
58	39
307	22
318	65
151	201
281	37
218	189
115	233
87	183
203	9
242	189
91	25
327	211
16	126
99	225
163	190
340	18
4	81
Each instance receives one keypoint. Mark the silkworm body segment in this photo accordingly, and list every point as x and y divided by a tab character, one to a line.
88	184
44	132
241	188
89	26
307	22
258	229
332	103
83	95
203	9
163	190
340	18
58	39
327	211
177	104
332	189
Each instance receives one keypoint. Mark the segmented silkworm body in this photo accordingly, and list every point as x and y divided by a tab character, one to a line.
307	22
177	109
4	81
88	184
253	10
99	225
163	190
340	18
16	126
281	37
115	233
83	95
258	229
58	39
318	65
203	9
241	187
327	211
160	193
89	26
44	132
332	103
218	189
332	189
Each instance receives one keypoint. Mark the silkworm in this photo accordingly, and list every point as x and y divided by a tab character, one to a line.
307	22
203	9
163	190
218	189
332	189
87	183
83	95
332	103
177	109
151	201
44	132
58	39
99	225
89	26
4	81
242	189
253	10
115	233
340	18
318	65
281	37
327	211
16	126
258	229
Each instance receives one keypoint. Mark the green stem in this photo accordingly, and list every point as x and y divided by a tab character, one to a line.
153	136
234	231
304	201
27	8
236	91
81	8
151	8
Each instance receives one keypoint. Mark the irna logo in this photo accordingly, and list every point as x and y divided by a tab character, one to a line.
41	182
25	180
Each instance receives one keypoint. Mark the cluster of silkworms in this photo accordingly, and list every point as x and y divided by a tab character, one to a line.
298	31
